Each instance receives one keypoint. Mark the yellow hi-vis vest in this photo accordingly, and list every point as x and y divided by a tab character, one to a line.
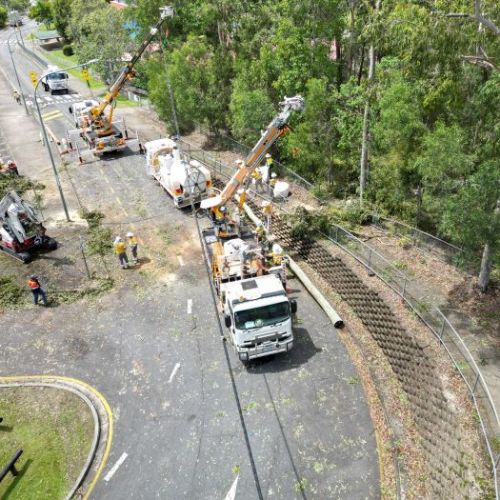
132	241
119	247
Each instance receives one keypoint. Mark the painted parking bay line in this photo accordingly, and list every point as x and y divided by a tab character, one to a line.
190	306
174	371
52	115
115	467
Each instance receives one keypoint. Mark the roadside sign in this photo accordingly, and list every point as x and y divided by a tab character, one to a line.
85	74
34	78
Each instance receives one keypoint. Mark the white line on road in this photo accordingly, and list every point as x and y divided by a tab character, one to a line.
190	306
231	494
67	97
115	467
180	259
174	371
47	98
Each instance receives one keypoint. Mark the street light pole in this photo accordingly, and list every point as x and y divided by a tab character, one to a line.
15	72
45	137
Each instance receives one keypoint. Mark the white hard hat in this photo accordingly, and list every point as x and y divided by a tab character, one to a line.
117	239
222	209
130	234
268	155
274	174
239	162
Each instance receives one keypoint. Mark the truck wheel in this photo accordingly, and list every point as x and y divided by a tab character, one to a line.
50	243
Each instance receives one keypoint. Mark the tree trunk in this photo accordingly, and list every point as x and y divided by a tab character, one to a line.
484	275
366	125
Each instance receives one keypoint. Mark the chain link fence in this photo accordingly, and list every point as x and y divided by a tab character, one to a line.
443	330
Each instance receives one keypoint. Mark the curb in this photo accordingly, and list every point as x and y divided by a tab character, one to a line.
103	421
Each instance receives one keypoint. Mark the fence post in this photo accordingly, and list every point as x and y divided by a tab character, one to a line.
442	330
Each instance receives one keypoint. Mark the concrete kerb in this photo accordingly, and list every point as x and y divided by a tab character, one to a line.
301	275
102	424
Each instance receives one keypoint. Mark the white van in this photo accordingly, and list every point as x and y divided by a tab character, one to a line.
80	110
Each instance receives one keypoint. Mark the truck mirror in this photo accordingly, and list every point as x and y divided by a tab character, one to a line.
70	109
227	320
293	306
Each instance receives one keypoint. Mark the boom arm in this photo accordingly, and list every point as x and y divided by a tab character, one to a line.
126	74
273	132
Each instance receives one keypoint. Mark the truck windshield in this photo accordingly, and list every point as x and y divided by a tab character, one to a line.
57	76
262	316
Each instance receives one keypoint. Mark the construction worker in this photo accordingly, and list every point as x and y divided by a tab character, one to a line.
132	244
260	232
267	208
12	168
272	183
37	290
17	96
121	251
257	180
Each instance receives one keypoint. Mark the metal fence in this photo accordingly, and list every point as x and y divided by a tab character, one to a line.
441	248
411	292
440	326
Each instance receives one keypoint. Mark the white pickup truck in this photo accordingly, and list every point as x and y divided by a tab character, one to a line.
55	79
80	111
186	182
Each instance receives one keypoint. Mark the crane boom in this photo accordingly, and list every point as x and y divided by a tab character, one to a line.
101	123
273	132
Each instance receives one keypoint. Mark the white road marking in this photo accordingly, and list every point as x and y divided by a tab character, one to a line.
190	306
115	467
180	259
47	98
75	96
67	97
231	494
174	371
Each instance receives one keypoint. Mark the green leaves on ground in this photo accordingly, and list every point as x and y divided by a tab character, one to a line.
10	292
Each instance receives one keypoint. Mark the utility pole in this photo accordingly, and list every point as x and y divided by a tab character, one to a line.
15	72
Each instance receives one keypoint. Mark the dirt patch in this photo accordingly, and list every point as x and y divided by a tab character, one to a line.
54	428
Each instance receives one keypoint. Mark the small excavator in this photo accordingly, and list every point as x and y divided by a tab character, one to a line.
97	127
21	229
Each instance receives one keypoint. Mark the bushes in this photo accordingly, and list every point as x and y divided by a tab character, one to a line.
68	50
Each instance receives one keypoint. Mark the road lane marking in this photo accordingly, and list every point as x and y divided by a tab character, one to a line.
51	116
115	467
190	306
67	97
174	371
47	98
105	178
180	259
119	201
231	494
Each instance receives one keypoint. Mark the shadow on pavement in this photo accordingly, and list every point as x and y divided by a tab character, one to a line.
303	350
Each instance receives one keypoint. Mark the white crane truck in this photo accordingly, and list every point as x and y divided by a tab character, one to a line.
249	279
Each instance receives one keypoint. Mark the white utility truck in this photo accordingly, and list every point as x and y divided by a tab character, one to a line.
55	79
257	309
186	182
249	278
14	18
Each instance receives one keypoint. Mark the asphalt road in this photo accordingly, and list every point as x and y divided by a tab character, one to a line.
188	415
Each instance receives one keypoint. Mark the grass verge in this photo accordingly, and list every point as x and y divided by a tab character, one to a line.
54	429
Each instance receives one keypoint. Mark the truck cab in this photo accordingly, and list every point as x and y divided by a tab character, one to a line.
258	313
55	79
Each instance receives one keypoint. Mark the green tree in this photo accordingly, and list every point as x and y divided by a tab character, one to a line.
61	12
472	217
41	12
98	30
3	17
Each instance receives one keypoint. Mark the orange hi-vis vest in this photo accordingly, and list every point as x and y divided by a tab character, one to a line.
33	284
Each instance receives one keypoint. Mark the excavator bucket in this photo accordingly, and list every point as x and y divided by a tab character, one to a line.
214	201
